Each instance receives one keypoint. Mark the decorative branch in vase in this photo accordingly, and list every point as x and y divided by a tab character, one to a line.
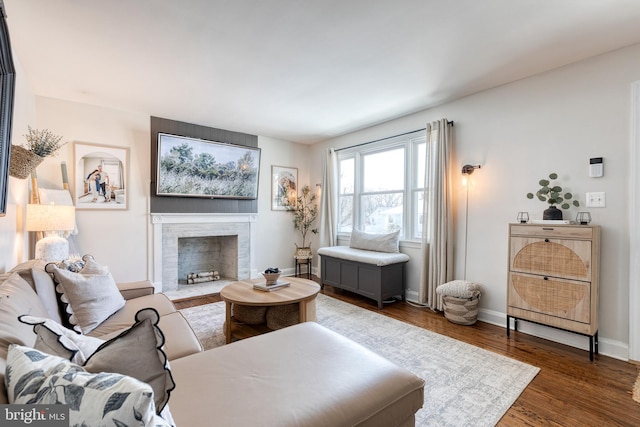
305	212
553	195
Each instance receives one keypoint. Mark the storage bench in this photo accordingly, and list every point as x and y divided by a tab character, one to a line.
376	275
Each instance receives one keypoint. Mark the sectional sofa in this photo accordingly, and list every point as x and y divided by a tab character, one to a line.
303	375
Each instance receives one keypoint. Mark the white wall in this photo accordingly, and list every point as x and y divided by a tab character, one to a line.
276	235
553	122
119	238
13	238
116	238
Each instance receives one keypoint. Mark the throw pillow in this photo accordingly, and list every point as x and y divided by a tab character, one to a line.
90	296
375	242
16	298
137	352
53	338
94	399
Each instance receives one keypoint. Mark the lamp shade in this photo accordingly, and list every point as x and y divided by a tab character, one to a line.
50	217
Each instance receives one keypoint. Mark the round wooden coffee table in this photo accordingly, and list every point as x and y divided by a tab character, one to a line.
301	291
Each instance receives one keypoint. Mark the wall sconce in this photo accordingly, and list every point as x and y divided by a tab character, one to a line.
583	218
51	219
468	169
523	217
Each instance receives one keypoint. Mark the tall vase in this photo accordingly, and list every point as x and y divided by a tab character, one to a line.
552	213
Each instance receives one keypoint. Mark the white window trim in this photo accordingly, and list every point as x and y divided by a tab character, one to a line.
409	141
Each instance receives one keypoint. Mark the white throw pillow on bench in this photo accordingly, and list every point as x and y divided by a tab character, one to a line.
375	242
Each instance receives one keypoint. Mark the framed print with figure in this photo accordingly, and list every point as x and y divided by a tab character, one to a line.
284	191
101	176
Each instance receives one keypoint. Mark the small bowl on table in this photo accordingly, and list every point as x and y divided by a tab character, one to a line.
271	278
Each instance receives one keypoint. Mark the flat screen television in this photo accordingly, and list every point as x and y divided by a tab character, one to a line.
191	167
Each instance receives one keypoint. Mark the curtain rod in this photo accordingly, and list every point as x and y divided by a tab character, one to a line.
450	123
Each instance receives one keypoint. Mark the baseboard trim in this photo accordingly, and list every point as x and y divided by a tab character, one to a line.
607	347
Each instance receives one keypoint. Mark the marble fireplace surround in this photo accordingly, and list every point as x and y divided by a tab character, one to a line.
167	228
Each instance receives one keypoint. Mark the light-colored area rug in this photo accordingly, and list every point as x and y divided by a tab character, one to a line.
636	389
464	385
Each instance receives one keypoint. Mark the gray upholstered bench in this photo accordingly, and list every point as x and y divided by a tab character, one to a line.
376	275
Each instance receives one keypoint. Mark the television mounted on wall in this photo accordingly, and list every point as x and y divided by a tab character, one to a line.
192	167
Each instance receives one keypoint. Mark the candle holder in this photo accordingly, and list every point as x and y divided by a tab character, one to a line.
523	217
583	218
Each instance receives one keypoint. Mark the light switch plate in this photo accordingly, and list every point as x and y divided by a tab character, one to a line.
596	200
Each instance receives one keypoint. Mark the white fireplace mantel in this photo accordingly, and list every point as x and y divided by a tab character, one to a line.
209	221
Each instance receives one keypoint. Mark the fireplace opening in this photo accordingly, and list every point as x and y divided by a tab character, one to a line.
208	254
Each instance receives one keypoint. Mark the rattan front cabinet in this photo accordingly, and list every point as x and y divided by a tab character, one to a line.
553	277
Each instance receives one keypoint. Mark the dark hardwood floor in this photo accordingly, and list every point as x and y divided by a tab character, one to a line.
569	390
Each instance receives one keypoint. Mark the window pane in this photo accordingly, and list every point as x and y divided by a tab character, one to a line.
382	213
421	152
346	176
418	214
384	171
345	220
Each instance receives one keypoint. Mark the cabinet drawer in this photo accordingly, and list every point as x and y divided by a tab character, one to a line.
570	259
565	299
555	231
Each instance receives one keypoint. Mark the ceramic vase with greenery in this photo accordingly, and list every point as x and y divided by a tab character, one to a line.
553	195
305	212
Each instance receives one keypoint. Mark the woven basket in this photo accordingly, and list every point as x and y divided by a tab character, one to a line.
23	162
463	311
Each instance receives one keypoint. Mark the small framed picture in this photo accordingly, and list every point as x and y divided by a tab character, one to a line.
101	176
284	184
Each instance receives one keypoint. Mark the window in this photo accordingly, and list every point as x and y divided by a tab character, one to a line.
381	186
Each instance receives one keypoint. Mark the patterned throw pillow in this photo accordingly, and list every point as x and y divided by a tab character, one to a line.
89	296
33	377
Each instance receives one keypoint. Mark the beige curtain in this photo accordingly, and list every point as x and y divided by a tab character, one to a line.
437	226
329	201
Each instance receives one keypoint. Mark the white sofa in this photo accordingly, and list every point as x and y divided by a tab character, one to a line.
303	375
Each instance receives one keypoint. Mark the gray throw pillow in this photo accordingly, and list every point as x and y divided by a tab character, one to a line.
90	296
137	352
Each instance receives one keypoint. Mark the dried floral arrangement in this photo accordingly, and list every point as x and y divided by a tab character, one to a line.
42	142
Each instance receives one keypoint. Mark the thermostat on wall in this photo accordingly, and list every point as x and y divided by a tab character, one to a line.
596	167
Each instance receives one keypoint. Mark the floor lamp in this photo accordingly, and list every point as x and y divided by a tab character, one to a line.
52	220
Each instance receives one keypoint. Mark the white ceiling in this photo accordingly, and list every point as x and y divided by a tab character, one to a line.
301	70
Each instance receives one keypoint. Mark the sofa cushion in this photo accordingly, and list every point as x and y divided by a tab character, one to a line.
375	242
124	317
94	399
137	352
16	298
90	296
33	272
53	338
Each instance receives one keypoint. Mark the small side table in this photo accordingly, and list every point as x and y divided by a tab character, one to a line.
303	261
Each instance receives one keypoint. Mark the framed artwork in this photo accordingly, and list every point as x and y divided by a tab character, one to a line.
284	187
191	167
101	176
